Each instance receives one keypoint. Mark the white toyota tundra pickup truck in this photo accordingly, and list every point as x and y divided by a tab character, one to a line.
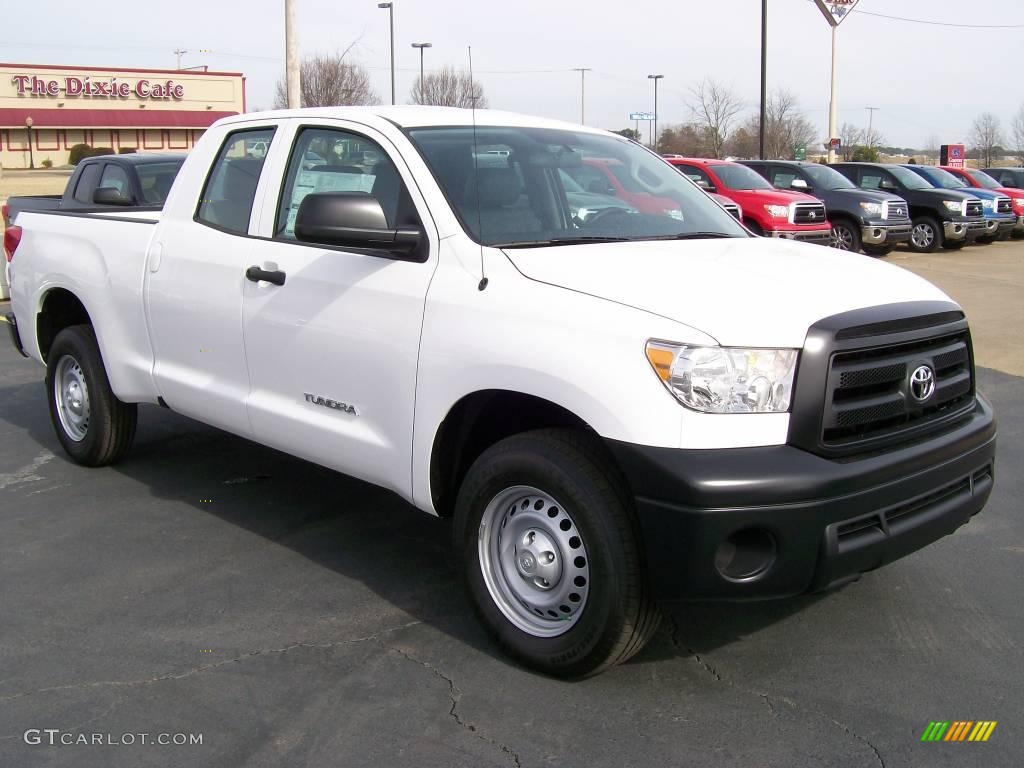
616	408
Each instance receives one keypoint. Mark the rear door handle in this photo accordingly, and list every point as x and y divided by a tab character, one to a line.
257	274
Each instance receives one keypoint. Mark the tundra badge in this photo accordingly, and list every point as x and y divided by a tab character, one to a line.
328	403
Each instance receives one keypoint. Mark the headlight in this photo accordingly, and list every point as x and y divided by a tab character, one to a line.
872	209
986	204
956	206
1019	200
778	211
674	213
725	379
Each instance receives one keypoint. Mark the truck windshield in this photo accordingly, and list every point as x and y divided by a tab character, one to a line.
909	179
827	178
984	180
941	179
156	179
520	187
739	177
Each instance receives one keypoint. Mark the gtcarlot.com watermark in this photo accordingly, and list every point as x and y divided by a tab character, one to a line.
54	737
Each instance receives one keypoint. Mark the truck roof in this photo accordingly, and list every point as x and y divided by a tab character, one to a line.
414	116
135	158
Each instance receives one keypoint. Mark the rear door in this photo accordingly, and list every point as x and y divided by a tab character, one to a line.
194	289
333	350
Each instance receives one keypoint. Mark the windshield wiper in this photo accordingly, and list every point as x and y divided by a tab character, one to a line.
691	236
573	240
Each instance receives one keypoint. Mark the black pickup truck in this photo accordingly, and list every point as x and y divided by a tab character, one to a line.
874	221
943	217
137	180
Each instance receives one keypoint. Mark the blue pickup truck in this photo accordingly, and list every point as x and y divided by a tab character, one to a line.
996	207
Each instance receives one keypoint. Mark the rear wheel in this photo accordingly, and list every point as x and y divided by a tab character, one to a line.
93	426
926	236
846	236
551	554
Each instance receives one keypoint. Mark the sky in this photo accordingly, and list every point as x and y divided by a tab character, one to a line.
926	80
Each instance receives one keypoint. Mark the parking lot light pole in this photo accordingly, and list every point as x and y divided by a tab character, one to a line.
421	46
28	138
391	25
764	78
292	68
654	123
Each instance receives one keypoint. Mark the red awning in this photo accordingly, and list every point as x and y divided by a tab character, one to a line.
110	118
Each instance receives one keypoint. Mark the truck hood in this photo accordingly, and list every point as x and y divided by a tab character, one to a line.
771	196
752	292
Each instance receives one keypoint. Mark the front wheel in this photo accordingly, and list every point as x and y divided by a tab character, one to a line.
551	554
92	425
846	236
954	245
926	236
878	250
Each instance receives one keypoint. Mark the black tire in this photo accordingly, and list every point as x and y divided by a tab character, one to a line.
926	235
754	227
878	250
955	245
109	424
618	616
985	240
846	236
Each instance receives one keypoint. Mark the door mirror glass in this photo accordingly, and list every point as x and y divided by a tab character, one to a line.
111	196
800	184
351	220
886	184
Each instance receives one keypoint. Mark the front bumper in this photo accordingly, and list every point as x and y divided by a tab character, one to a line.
1019	226
827	521
877	234
816	236
964	229
12	326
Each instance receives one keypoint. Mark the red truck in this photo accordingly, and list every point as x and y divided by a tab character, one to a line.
975	178
767	211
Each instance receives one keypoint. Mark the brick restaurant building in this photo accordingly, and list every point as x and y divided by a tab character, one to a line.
142	109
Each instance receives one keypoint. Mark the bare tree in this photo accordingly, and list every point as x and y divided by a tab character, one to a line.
787	128
684	139
329	81
714	108
1017	127
448	88
872	138
986	135
850	136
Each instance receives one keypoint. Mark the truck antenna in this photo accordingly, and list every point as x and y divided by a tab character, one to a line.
476	175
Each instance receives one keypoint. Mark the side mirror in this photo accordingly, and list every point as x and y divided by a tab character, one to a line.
800	184
111	196
352	220
706	185
886	184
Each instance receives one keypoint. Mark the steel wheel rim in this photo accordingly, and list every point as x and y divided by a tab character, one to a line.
72	395
842	238
922	235
534	561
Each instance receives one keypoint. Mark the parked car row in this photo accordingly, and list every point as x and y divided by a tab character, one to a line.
869	207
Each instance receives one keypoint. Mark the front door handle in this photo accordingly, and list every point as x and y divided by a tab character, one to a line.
256	274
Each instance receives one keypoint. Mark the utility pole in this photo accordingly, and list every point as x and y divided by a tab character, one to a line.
764	78
834	13
293	82
871	122
391	23
654	128
583	93
421	46
179	52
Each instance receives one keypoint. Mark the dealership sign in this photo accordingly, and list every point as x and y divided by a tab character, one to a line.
835	10
88	88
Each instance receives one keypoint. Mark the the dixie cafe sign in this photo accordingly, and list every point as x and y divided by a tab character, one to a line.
90	88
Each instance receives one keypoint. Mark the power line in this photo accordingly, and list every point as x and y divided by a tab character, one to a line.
938	23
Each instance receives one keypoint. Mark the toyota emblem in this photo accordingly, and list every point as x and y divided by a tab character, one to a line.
922	383
814	215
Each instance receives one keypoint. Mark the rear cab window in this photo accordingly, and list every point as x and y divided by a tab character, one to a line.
227	198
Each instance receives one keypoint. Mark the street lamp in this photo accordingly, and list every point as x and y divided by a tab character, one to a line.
28	138
654	137
391	24
421	46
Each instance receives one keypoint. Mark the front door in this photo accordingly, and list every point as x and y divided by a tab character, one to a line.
333	350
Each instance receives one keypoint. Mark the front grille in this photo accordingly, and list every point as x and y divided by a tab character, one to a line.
896	210
974	208
853	393
809	213
869	390
732	208
1004	205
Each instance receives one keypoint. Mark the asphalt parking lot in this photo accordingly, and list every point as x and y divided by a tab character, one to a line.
207	585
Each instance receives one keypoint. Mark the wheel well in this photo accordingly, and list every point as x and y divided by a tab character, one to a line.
61	309
477	422
753	226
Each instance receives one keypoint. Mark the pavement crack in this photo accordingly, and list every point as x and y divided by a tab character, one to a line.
454	695
208	667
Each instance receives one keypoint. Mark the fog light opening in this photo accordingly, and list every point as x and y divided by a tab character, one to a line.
747	554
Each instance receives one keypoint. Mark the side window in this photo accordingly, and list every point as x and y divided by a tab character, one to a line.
870	180
782	178
231	186
116	177
87	183
696	175
328	160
